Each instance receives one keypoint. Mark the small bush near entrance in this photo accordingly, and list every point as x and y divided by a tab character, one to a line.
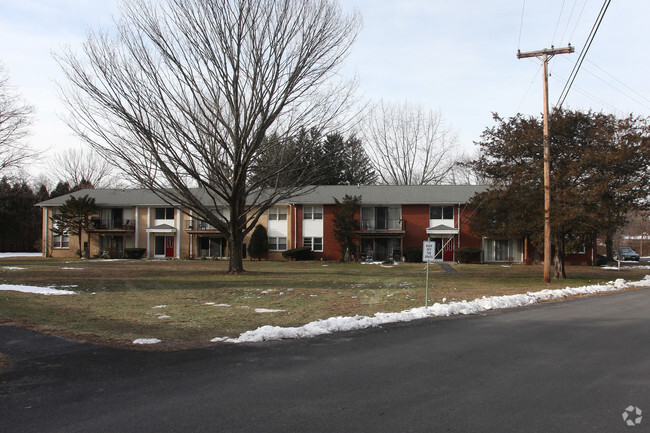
414	254
134	253
302	253
468	255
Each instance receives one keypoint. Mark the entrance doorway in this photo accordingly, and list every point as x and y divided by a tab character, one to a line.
164	246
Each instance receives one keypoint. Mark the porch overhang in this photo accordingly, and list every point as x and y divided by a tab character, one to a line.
162	228
442	230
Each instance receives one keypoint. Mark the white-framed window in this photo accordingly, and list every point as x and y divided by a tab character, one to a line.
316	244
278	214
164	213
59	241
578	250
277	244
441	212
312	213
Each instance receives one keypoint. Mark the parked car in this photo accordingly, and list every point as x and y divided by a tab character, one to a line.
627	253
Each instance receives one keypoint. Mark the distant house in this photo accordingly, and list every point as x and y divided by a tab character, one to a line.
391	220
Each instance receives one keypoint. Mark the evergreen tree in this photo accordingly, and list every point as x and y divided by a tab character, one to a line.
20	219
258	248
73	217
62	188
308	158
345	224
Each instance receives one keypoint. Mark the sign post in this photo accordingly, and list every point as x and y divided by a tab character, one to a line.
428	254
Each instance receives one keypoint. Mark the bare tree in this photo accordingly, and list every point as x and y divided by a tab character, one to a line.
81	165
409	145
464	174
185	92
15	118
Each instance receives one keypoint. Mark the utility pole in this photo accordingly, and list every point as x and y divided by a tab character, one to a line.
546	55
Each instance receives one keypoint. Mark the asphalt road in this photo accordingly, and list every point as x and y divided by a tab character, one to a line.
573	366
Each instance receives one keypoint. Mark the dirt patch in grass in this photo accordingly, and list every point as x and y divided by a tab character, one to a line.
187	303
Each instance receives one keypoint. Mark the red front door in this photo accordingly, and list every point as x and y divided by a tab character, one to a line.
169	246
448	253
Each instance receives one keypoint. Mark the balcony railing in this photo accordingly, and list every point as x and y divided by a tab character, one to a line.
111	224
374	225
198	225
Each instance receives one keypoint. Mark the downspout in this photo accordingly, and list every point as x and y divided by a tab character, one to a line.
45	232
295	226
148	234
178	233
191	242
136	227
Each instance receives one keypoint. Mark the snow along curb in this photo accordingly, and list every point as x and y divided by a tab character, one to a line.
338	324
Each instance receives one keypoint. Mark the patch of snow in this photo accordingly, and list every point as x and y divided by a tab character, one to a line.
158	306
164	316
338	324
147	341
34	289
13	268
222	305
267	310
73	269
2	255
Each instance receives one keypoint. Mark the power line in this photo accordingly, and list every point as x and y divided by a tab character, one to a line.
557	25
581	58
521	24
620	82
578	20
573	8
587	94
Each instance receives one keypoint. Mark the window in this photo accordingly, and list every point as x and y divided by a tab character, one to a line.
278	214
165	213
313	212
61	241
277	244
441	212
316	244
381	218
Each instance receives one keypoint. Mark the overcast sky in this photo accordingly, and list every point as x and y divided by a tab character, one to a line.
458	57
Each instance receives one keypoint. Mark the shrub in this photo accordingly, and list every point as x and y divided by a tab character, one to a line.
302	253
414	255
134	253
468	255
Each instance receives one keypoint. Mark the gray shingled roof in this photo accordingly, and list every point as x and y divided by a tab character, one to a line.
391	194
111	197
324	194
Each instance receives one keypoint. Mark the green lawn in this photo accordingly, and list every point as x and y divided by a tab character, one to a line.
187	303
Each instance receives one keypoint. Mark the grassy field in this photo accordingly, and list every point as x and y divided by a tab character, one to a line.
187	303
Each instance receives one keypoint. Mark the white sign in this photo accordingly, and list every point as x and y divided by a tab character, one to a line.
428	251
